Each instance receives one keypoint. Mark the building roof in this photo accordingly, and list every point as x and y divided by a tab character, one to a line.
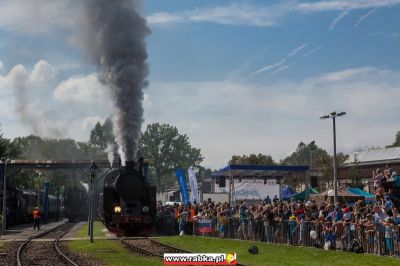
375	156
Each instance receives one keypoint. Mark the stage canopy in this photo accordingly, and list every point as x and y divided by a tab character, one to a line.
256	172
261	171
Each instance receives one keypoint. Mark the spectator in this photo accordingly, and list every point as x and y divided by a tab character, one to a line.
267	200
183	218
291	222
389	234
222	220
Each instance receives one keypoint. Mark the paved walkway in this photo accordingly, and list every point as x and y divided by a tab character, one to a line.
24	231
71	235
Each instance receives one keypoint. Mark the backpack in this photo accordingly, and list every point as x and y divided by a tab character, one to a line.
253	250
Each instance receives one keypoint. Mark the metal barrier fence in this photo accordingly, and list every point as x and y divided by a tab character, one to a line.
351	237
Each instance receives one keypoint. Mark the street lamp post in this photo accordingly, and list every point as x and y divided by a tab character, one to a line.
38	187
4	213
312	146
93	170
333	115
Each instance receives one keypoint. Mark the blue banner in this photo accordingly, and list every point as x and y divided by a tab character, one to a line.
182	185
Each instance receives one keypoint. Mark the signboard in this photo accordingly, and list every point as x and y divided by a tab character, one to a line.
253	189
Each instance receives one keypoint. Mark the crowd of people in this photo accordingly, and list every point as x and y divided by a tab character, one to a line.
370	227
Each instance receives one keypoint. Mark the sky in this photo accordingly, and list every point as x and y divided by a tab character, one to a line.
237	77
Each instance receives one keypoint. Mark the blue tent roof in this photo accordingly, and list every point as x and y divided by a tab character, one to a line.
357	191
287	192
251	170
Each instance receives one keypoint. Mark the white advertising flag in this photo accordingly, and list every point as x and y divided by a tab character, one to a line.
193	184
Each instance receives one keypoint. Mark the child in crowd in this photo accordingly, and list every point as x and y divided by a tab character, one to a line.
301	225
250	225
389	234
370	233
222	221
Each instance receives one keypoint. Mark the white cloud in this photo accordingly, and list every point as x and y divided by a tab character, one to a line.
279	69
363	17
20	77
297	49
263	15
81	89
89	122
42	72
333	5
274	118
312	51
17	75
347	74
339	18
269	67
25	99
1	65
395	35
38	16
279	66
233	14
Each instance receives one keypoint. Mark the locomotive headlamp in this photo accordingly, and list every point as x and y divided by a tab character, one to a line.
117	209
145	209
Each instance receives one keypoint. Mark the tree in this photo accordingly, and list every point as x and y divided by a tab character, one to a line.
3	145
166	150
303	153
321	161
396	142
259	159
37	148
97	137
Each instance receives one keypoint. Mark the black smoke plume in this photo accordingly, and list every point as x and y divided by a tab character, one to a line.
114	40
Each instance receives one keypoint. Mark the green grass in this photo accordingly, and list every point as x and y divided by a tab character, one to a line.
97	230
1	246
111	252
271	254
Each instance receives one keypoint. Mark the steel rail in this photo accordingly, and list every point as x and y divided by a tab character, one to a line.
139	249
59	251
23	245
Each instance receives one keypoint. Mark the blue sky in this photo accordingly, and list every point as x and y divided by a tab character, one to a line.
236	76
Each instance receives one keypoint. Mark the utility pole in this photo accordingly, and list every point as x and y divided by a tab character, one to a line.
4	213
93	170
334	161
333	115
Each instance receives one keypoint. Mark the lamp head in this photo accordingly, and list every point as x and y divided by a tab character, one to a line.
341	113
324	117
93	169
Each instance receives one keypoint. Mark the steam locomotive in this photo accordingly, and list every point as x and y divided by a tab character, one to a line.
129	201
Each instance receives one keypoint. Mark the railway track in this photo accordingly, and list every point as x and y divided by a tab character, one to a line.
150	247
45	252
